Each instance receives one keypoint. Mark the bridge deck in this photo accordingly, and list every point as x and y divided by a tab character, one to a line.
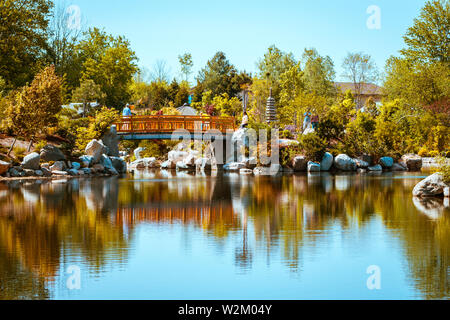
162	127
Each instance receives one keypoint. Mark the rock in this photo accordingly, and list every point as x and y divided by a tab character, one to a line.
119	164
111	140
176	156
58	166
52	153
98	168
387	162
14	173
398	167
32	161
189	160
246	171
39	173
361	164
106	162
72	172
345	163
45	165
288	170
60	173
327	162
182	166
233	166
144	163
375	168
366	158
96	149
276	168
76	165
412	162
313	167
299	163
137	153
87	171
29	172
431	186
4	166
250	163
169	164
86	161
447	192
203	163
46	172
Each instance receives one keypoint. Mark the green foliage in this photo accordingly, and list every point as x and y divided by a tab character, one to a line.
186	64
96	128
23	34
287	154
274	64
428	39
444	168
314	147
40	145
318	73
34	107
19	152
87	92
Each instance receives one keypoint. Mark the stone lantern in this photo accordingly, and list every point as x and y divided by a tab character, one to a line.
271	110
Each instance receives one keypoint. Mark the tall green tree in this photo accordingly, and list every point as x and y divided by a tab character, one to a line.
23	35
274	64
186	64
428	40
318	73
87	92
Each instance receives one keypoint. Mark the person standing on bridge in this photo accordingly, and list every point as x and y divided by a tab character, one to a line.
244	123
127	111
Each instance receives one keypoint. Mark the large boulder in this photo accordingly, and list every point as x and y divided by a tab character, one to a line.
96	149
345	163
176	156
52	153
327	162
169	164
58	166
361	164
386	162
111	140
412	161
398	167
86	161
4	166
299	163
119	164
431	186
375	168
144	163
106	162
313	167
182	166
32	161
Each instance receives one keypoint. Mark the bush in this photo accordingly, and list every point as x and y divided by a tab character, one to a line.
19	152
40	145
444	168
313	146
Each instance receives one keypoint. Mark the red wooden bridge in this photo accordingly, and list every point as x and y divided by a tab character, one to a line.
162	127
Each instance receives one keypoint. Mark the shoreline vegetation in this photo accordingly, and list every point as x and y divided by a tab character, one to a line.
72	86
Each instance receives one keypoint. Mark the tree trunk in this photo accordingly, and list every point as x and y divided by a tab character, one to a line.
30	145
12	146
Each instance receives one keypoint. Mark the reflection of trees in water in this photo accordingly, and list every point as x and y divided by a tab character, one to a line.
93	218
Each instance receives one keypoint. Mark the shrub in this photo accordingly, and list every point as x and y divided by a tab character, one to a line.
40	145
19	152
444	168
313	146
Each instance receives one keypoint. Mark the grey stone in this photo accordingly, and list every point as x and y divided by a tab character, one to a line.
58	166
98	168
386	162
60	173
39	173
14	173
76	165
327	162
72	172
95	149
46	172
313	167
52	153
375	168
4	166
299	164
86	161
361	164
431	186
176	156
29	172
119	164
32	161
169	164
345	163
182	166
398	167
412	162
111	140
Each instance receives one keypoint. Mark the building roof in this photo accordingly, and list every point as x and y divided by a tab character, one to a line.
186	110
368	89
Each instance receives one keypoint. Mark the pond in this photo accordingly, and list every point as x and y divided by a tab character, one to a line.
167	235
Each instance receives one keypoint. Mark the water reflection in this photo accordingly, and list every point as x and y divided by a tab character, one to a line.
45	225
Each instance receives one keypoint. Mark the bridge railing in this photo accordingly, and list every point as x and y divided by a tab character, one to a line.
168	124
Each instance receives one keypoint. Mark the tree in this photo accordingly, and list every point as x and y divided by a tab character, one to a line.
87	92
160	72
23	33
34	107
360	69
110	63
428	40
186	65
318	73
274	64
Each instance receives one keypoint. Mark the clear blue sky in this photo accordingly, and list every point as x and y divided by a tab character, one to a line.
161	30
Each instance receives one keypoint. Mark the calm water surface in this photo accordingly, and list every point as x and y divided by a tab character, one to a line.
163	235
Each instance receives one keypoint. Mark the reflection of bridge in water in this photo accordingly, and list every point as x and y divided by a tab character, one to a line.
162	127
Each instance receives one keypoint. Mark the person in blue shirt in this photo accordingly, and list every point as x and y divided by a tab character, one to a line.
127	111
